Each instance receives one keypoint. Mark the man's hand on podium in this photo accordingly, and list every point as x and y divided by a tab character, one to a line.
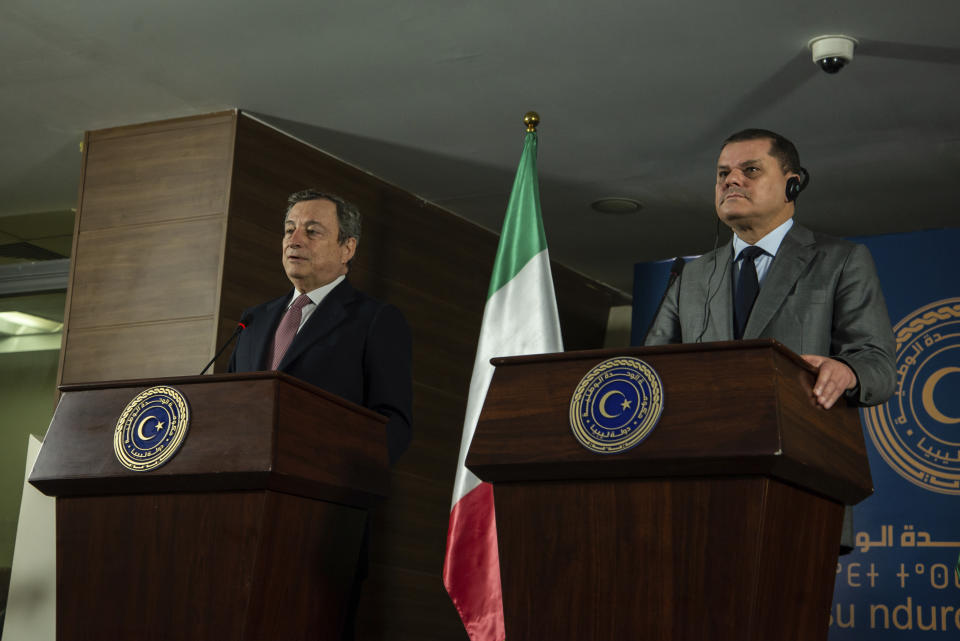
833	379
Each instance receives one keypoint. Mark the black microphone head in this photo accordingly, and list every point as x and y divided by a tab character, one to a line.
677	266
245	319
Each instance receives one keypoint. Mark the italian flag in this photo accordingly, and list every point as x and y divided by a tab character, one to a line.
520	317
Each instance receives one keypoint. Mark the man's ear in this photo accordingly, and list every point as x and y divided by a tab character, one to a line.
347	249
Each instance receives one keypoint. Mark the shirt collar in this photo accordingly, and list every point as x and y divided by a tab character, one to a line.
769	243
318	294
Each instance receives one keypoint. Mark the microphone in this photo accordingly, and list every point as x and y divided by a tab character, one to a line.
675	270
242	325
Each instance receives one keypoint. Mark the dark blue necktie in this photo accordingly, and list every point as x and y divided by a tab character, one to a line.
747	289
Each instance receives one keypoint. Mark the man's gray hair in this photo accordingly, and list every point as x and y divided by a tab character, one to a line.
348	216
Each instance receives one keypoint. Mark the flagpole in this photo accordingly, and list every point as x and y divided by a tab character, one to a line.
520	317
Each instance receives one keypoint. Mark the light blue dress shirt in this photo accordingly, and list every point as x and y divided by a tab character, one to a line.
769	243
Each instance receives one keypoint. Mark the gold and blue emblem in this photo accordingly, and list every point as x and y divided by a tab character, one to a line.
151	429
616	405
916	431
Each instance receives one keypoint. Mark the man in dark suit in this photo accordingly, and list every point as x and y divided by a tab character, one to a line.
325	332
817	295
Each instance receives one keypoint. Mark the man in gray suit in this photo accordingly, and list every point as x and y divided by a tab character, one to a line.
817	295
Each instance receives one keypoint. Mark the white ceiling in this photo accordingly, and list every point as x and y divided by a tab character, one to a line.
634	97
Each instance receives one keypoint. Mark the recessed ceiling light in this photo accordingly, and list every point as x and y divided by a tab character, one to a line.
616	206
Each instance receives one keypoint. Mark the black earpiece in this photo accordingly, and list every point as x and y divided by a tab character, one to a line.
794	186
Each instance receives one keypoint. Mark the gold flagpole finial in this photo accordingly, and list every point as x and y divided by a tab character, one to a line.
531	119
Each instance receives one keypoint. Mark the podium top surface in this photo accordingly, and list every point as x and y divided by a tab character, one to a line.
742	346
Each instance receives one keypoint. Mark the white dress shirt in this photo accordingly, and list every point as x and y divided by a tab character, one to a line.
315	296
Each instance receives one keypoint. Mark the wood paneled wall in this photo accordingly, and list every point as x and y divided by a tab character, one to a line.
179	230
142	299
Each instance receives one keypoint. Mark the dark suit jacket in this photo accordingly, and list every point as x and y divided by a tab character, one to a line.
352	345
820	296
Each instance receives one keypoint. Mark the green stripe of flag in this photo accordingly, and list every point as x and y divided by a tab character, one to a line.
522	237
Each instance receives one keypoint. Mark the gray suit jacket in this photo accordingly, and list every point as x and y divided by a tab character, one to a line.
821	296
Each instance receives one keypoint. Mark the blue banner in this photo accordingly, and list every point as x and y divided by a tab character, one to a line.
901	581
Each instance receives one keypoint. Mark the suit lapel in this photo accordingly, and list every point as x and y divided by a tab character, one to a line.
795	253
263	332
325	318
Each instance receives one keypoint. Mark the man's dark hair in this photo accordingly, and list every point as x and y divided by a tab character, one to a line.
780	148
348	216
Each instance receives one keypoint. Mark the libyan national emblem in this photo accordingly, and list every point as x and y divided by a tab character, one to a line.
616	405
917	432
151	429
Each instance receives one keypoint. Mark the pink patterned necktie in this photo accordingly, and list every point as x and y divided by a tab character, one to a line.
287	329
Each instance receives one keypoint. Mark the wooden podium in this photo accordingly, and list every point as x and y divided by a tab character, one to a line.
252	531
722	525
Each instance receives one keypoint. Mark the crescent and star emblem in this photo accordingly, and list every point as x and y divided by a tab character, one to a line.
625	405
916	430
140	426
151	428
616	405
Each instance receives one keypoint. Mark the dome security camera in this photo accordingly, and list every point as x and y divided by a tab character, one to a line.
832	53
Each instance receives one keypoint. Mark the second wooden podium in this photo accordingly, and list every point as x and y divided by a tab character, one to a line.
722	525
252	531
